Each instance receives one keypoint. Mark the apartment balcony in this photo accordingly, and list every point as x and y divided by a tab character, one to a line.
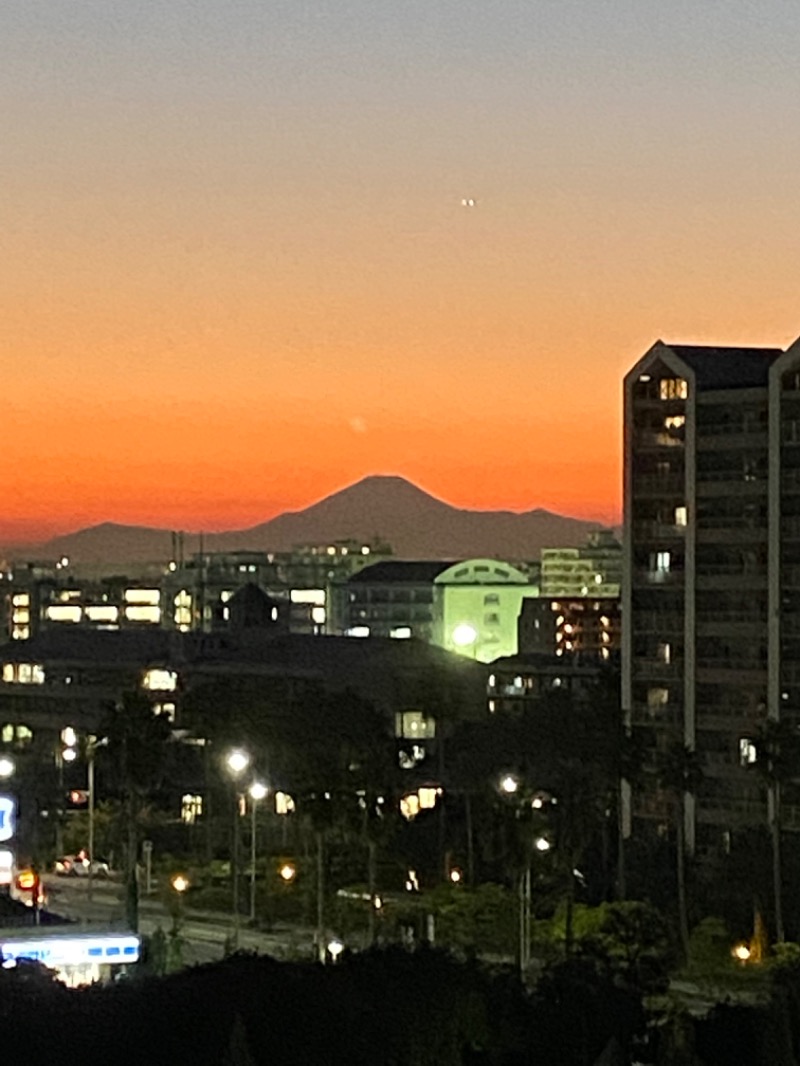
660	485
655	670
730	484
664	623
729	624
738	535
731	812
723	579
655	578
731	672
649	439
730	438
657	531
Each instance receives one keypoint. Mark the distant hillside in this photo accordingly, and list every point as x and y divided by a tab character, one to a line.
416	524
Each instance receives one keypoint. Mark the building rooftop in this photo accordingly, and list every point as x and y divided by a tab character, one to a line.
397	571
727	368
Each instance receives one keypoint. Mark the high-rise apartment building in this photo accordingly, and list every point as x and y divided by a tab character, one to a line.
711	583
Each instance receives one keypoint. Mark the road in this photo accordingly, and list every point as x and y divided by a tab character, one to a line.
204	933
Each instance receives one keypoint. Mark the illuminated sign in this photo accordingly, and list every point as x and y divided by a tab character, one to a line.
8	810
6	866
72	951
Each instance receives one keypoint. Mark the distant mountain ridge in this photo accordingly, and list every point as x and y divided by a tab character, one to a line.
416	524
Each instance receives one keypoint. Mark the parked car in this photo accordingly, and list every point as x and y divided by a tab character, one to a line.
79	866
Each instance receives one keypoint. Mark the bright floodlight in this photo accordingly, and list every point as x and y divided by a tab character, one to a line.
542	844
180	883
287	872
237	761
258	791
335	948
464	634
6	766
509	784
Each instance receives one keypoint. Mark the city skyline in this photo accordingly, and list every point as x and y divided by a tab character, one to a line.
256	251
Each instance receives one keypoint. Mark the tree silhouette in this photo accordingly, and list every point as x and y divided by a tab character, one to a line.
135	760
679	773
777	759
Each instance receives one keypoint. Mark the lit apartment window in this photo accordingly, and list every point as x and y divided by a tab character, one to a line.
414	725
20	632
316	597
674	421
143	613
159	680
663	653
102	613
64	612
165	709
657	699
400	632
673	389
30	674
147	597
660	565
191	808
183	610
15	734
357	631
680	516
747	752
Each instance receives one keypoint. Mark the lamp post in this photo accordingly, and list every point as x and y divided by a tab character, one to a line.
236	762
92	744
510	785
257	792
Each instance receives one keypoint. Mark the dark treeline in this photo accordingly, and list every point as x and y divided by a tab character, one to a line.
388	1007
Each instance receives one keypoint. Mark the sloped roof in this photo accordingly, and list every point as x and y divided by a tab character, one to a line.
398	571
727	368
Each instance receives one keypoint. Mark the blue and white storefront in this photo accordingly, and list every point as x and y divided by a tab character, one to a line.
77	958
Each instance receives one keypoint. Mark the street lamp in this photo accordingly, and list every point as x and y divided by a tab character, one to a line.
180	883
236	762
257	793
92	744
509	784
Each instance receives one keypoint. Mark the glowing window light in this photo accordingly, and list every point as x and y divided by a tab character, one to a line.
143	597
64	612
143	613
158	679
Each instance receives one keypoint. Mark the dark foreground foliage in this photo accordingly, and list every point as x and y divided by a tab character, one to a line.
387	1007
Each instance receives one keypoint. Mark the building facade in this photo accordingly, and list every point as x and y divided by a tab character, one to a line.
592	570
711	584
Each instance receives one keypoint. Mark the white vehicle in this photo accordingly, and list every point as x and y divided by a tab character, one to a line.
79	866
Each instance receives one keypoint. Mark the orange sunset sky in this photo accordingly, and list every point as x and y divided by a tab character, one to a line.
236	273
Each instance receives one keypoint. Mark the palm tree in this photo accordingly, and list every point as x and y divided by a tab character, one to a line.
135	757
679	774
777	752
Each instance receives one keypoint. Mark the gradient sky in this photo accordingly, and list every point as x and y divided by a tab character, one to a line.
236	274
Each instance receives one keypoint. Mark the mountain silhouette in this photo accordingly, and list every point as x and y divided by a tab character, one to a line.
388	508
